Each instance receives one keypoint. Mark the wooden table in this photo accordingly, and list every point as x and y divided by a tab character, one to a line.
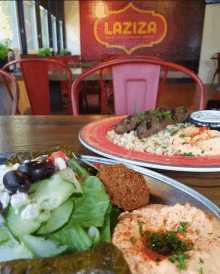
28	133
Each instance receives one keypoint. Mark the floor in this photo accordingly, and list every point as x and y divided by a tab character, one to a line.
173	95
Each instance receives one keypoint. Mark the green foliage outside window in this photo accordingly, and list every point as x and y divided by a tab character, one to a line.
63	52
3	51
45	52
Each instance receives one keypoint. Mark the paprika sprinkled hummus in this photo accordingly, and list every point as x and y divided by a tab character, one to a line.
169	239
196	141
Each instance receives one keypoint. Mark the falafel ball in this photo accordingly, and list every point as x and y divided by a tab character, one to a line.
126	187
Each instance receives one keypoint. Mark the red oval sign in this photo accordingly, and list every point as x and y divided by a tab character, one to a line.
130	28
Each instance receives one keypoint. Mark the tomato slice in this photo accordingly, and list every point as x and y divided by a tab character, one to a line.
97	165
58	154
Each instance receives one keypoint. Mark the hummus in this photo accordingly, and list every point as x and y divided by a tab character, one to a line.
196	141
191	227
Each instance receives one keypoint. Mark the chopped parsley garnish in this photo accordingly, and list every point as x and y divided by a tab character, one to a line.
175	125
133	240
167	114
188	154
141	228
201	261
210	233
157	144
183	227
162	114
202	151
182	126
157	259
168	130
168	244
197	232
142	114
142	141
210	148
180	258
182	135
201	270
173	133
181	109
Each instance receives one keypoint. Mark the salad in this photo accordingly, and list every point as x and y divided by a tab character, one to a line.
51	206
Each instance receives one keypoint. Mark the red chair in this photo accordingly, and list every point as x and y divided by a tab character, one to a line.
69	59
35	73
14	95
135	82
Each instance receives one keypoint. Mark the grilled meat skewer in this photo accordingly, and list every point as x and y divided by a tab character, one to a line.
151	120
130	122
159	121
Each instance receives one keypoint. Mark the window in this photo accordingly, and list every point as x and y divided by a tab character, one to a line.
30	25
44	27
17	16
9	24
61	34
54	33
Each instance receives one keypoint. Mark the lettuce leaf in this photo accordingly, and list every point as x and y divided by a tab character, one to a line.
10	248
91	207
43	248
74	237
94	235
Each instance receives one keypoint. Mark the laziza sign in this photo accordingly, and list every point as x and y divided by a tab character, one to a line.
130	28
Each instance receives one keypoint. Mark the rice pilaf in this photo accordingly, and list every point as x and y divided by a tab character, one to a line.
157	143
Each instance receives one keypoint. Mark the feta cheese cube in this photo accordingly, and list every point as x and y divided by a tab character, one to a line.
16	166
19	199
60	163
30	212
2	188
5	199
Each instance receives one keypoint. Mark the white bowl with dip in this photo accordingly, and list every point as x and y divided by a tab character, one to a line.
207	118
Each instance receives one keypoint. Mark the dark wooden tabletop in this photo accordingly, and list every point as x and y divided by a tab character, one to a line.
28	133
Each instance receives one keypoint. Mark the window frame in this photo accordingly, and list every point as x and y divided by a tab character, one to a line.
39	27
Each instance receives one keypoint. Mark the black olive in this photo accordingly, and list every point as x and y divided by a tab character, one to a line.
37	170
15	181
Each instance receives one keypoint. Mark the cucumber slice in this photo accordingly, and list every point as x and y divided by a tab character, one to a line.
10	248
89	167
82	172
59	217
52	192
18	226
13	251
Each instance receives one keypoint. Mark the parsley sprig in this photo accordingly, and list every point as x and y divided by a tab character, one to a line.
168	244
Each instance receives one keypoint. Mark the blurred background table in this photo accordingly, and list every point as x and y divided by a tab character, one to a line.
28	133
